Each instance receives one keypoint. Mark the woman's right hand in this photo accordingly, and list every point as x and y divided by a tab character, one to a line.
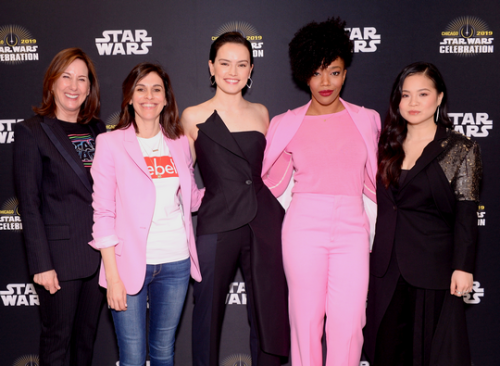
48	280
117	295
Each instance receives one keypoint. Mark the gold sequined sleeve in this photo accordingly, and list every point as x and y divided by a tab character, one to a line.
468	176
461	163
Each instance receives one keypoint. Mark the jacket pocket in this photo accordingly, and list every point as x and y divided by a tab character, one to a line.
57	232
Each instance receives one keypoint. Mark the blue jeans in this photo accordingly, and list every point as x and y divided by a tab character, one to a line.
165	286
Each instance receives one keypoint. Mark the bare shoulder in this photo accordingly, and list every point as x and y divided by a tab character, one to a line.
260	115
261	111
193	116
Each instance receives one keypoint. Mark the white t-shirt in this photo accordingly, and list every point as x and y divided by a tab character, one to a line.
167	241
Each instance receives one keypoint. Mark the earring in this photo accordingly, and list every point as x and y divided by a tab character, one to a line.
212	80
249	86
437	114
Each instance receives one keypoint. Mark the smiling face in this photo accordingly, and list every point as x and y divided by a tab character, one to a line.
148	99
325	86
231	67
70	90
419	100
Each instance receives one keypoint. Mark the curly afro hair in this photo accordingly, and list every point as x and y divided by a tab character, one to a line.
317	45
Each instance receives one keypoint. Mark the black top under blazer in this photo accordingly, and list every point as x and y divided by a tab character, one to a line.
432	238
55	198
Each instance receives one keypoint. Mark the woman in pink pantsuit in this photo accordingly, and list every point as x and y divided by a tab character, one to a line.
329	146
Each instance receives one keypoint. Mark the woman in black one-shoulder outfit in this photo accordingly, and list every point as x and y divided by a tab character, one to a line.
239	221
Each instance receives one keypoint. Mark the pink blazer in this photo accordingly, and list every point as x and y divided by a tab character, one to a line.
283	128
124	200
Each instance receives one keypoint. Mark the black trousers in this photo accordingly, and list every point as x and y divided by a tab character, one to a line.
219	256
69	322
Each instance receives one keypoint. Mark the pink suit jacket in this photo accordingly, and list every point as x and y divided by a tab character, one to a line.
124	201
284	127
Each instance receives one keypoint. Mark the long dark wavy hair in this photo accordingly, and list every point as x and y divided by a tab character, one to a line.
390	147
169	116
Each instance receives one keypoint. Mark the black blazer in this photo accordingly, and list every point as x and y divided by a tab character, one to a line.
55	199
230	200
434	233
235	196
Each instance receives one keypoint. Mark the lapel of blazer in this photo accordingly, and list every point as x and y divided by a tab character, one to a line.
133	149
433	149
364	127
177	153
217	131
62	143
280	136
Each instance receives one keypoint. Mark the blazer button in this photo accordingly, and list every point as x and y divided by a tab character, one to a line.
248	182
394	208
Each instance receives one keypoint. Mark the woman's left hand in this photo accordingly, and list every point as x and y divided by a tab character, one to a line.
461	283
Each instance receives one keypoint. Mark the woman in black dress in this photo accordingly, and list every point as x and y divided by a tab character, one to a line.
424	250
239	221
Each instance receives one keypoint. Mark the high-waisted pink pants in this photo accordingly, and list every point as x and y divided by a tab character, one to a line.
326	256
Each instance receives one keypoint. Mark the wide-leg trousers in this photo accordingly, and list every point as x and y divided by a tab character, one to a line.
326	259
219	256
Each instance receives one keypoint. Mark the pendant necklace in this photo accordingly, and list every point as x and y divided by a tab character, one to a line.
146	147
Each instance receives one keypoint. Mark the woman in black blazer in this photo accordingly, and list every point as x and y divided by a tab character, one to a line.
53	153
424	249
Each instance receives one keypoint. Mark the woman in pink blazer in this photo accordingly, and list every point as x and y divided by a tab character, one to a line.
144	192
330	147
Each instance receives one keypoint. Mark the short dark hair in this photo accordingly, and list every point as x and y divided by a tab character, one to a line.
229	37
391	153
317	45
169	116
90	107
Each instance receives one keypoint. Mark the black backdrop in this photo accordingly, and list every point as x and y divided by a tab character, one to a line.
458	36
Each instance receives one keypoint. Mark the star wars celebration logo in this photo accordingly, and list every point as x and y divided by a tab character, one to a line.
481	215
7	130
19	294
27	360
467	36
365	39
124	42
237	359
474	297
10	219
248	31
472	124
17	45
237	294
112	121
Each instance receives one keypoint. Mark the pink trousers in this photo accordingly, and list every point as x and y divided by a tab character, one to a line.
326	257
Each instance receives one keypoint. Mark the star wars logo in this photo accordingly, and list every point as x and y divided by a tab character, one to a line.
481	216
27	360
365	39
124	42
17	45
472	125
467	36
237	294
246	30
474	296
7	130
237	359
10	218
19	294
